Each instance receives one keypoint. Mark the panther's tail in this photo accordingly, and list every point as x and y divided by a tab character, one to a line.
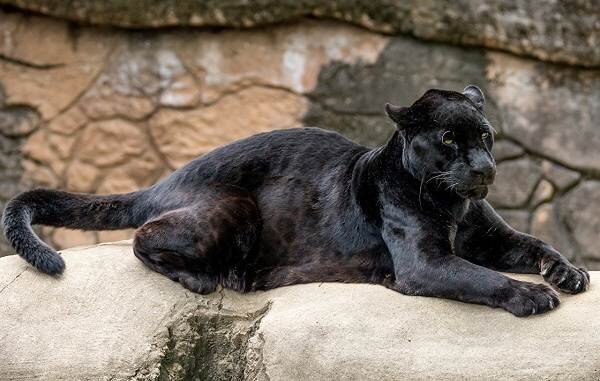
63	209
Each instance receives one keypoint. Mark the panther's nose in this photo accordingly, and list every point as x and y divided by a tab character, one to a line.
484	170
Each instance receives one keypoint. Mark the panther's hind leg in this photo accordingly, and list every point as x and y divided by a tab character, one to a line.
201	244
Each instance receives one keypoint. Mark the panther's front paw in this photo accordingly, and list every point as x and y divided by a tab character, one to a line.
526	299
564	276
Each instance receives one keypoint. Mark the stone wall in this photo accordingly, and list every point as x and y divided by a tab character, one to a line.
103	109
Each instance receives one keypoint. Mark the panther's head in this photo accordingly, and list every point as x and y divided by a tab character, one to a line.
448	141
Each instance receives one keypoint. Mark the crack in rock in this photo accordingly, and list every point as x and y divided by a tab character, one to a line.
28	64
12	281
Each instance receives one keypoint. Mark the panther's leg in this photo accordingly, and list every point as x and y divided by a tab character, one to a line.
424	264
485	239
203	243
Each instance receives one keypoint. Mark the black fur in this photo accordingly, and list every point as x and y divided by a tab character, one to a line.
307	205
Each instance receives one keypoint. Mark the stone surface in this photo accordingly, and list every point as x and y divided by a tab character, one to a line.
506	150
37	175
560	31
579	210
111	142
17	121
109	317
289	56
560	176
68	122
525	173
115	235
81	177
69	238
236	116
543	192
61	72
546	225
550	110
39	150
517	219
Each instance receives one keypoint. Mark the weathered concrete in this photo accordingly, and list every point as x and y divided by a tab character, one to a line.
109	317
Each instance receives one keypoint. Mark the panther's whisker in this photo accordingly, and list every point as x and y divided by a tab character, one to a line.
420	191
452	186
440	175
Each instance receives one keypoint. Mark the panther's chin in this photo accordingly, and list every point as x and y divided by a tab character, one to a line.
476	193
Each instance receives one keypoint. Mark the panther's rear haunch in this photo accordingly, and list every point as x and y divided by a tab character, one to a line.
308	205
63	209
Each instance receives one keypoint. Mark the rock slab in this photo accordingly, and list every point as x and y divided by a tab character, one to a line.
558	31
110	318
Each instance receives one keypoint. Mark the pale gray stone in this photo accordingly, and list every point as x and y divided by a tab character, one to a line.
543	192
580	209
552	111
505	150
560	176
517	219
515	182
546	226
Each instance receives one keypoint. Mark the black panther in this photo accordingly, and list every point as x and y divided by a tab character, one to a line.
308	205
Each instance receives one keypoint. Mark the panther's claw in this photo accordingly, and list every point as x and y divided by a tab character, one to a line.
564	276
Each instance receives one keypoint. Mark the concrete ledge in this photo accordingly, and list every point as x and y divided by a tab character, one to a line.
109	317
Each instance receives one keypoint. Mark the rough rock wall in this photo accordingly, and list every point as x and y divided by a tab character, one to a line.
99	109
565	31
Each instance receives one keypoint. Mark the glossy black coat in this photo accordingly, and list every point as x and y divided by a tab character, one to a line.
308	205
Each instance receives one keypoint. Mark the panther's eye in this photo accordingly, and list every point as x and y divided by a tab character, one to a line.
448	138
485	135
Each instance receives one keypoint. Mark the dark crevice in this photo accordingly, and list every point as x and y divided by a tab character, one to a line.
591	173
30	65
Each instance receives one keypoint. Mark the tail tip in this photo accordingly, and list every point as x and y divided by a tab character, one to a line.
50	263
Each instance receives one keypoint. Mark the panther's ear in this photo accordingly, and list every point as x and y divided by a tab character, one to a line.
398	114
475	94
